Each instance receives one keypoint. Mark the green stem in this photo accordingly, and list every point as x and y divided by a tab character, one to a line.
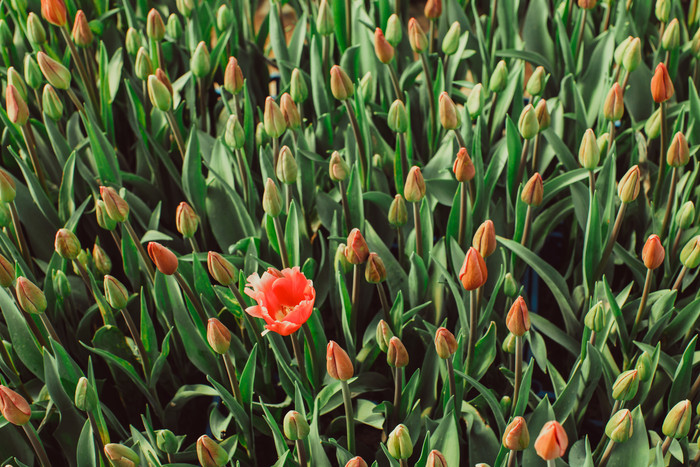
282	242
552	463
89	85
36	444
611	241
611	134
202	105
397	395
191	296
232	379
606	455
301	452
579	40
144	256
21	240
431	37
606	20
523	161
419	230
662	150
431	96
463	201
175	128
244	176
31	149
385	303
395	82
591	182
349	417
535	150
460	139
453	389
472	329
96	434
676	242
75	100
665	446
51	330
669	203
518	369
401	247
526	229
299	355
404	158
355	298
362	155
679	280
346	206
642	303
348	21
136	336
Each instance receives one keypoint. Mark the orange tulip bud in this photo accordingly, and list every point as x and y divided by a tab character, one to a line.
17	110
82	35
186	220
384	50
375	272
473	273
516	436
433	9
416	36
533	191
661	85
449	117
7	272
653	252
14	407
54	11
218	336
485	239
356	462
356	251
164	259
678	153
552	441
614	106
587	4
463	167
338	362
233	76
518	319
414	188
396	353
445	343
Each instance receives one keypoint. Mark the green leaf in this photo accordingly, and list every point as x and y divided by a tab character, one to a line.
23	342
591	243
66	204
192	179
484	353
681	379
104	158
634	451
490	400
291	234
85	452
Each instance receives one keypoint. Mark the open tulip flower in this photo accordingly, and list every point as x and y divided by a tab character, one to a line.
285	299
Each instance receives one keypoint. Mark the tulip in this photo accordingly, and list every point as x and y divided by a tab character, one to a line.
473	273
356	462
7	187
341	261
82	35
625	386
383	335
475	102
224	17
661	85
167	442
35	30
234	136
116	294
628	188
399	443
164	259
499	77
690	254
436	459
30	297
510	287
290	112
338	362
200	63
356	250
686	215
433	9
633	55
587	4
671	38
485	239
173	27
17	110
677	422
533	191
218	336
644	366
54	11
210	454
221	269
445	343
535	85
324	20
450	42
397	118
155	29
275	124
382	48
542	114
286	166
516	436
14	407
375	272
552	441
143	67
518	319
678	153
295	426
619	427
55	73
653	252
272	201
509	344
297	87
396	354
121	456
394	31
341	85
233	76
414	188
337	168
449	117
185	7
417	37
7	272
398	214
528	125
595	319
85	398
662	10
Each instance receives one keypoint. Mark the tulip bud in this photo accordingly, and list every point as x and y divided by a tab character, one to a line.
67	244
84	259
85	398
595	319
218	336
621	49
542	114
614	106
233	76
433	9
690	254
15	79
356	251
414	188
32	73
695	44
324	20
159	94
210	454
167	442
382	48
588	154
35	30
463	167
272	201
116	294
102	262
643	366
7	187
275	124
164	259
417	37
396	354
510	287
663	10
485	239
499	77
221	269
449	116
14	407
337	168
445	343
399	443
103	219
476	101
297	87
383	335
186	220
393	32
82	35
508	345
626	385
397	119
652	127
7	272
473	273
686	215
54	11
375	272
633	55
367	87
234	136
677	422
133	41
661	84
200	63
143	66
155	29
115	206
628	188
678	153
286	166
173	27
338	363
341	261
552	441
341	85
518	318
398	215
121	456
533	191
653	252
224	17
53	107
535	85
295	426
619	427
671	38
30	297
185	7
587	4
528	125
290	112
17	110
516	437
450	43
356	462
60	284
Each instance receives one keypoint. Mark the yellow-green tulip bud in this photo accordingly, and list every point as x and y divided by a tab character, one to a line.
397	119
234	136
652	127
527	123
499	77
224	17
398	214
677	422
619	427
167	441
671	39
633	55
174	27
286	166
450	43
30	297
295	426
272	201
200	63
663	10
394	32
626	385
275	125
399	443
383	335
644	366
595	319
35	30
535	85
628	188
588	154
297	87
690	254
159	94
32	73
210	454
475	102
337	168
116	294
686	215
133	41
341	85
155	28
85	398
324	19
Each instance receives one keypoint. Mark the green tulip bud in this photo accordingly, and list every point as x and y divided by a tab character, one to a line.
450	42
200	63
535	85
449	116
61	286
397	119
341	85
588	154
506	404
85	397
7	272
633	55
275	124
35	30
221	269
30	297
527	123
67	244
167	441
475	102
234	135
261	136
159	94
663	10
393	32
55	73
626	385
383	335
510	286
367	87
224	17
508	345
218	336
7	187
133	41
686	215
286	166
324	19
628	188
121	456
32	73
116	294
620	50
652	127
619	427
337	168
185	7
297	87
103	219
671	39
644	366
690	254
5	216
399	443
398	214
173	27
595	319
341	260
295	426
499	77
677	422
143	67
695	44
272	201
155	29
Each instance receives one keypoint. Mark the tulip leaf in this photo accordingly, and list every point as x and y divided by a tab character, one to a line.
490	398
592	243
484	353
682	377
292	235
85	449
634	451
23	342
542	414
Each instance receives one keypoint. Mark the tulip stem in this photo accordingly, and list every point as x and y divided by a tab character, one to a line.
301	452
579	40
511	458
526	229
523	160
552	462
346	206
299	355
51	330
282	243
453	388
662	150
244	176
31	149
679	280
535	150
642	303
419	230
472	330
21	240
490	122
403	462
676	242
5	356
364	170
518	369
89	84
202	104
463	201
401	247
96	434
251	322
611	241
606	455
669	203
460	139
385	303
75	100
170	116
611	138
144	257
397	395
431	37
232	379
395	82
136	336
608	11
404	159
591	182
665	446
36	444
431	96
348	21
191	296
349	417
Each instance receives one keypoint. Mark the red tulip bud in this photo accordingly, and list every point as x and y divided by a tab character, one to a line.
661	85
518	319
164	259
473	273
653	253
338	362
